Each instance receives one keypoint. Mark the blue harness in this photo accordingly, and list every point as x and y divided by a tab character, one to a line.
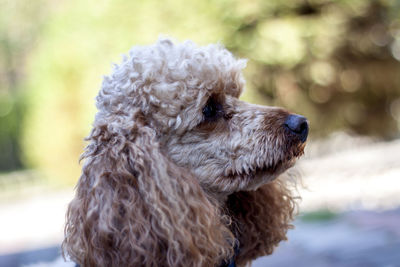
231	262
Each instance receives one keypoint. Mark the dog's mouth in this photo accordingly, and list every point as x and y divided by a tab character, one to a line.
252	172
265	170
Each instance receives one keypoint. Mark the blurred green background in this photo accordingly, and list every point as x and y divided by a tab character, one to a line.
336	62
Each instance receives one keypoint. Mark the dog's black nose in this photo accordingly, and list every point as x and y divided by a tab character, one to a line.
298	125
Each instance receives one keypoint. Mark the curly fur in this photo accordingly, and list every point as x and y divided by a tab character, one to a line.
163	184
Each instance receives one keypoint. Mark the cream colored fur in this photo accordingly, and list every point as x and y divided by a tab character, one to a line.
163	184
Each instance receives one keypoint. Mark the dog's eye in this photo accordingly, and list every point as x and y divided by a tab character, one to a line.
212	109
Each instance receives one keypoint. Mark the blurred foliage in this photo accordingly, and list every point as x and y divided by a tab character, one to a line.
17	35
337	62
318	216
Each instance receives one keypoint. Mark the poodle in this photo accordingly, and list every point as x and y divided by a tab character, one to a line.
178	170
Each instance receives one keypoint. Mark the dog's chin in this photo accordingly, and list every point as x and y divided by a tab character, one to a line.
254	177
262	177
253	180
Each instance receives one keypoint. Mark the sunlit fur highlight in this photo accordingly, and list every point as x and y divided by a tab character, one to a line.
162	186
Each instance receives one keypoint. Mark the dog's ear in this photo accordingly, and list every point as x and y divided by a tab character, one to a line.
134	207
262	218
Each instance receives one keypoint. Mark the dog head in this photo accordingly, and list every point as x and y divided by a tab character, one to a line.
189	96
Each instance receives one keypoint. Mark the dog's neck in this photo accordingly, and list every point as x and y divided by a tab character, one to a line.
219	198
